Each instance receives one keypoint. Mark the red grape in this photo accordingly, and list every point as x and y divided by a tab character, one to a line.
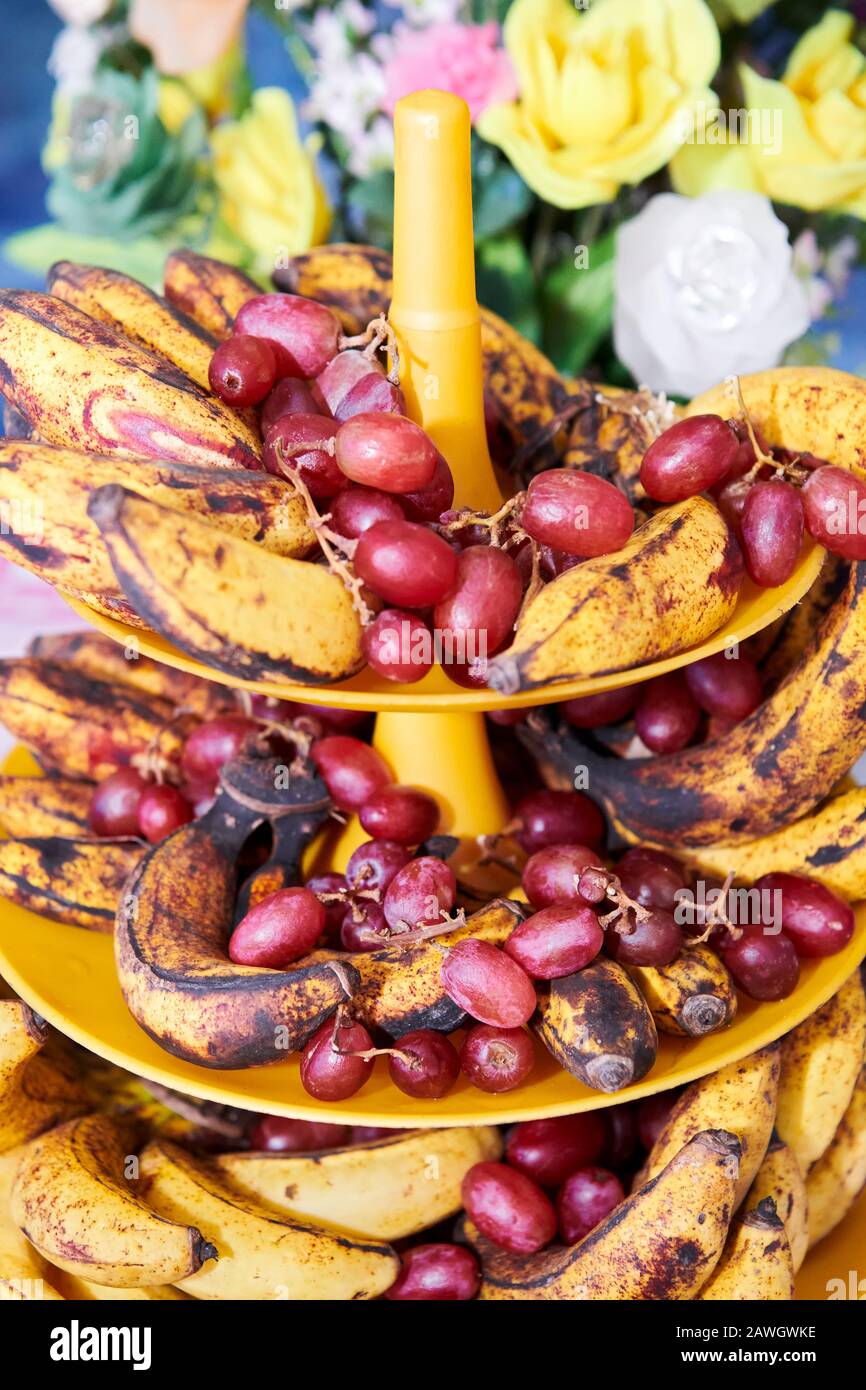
162	810
316	466
386	451
817	921
508	1208
406	564
364	927
726	686
551	875
428	503
586	1198
577	513
373	394
731	501
213	744
835	505
652	1116
771	528
326	1072
303	334
480	611
291	396
436	1273
339	376
556	941
558	818
399	646
366	1134
115	802
651	877
374	865
497	1059
691	456
621	1135
764	967
607	707
352	770
548	1150
355	509
339	720
242	370
420	893
278	1135
488	984
281	928
402	814
424	1063
326	885
667	716
654	940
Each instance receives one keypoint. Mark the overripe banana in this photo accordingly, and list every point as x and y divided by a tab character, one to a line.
209	292
77	881
828	845
385	1189
225	601
798	626
692	996
821	1061
837	1178
46	490
83	385
42	806
780	1178
610	436
78	727
23	1273
79	1290
740	1097
769	770
72	1199
99	658
661	1243
604	615
35	1092
597	1025
263	1255
132	309
756	1264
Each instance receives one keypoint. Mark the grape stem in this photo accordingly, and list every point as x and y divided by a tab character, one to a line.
789	471
618	918
377	332
329	540
717	916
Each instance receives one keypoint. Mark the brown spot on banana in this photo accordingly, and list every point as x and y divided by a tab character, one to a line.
598	1026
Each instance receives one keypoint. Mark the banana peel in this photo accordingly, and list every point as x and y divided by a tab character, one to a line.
76	881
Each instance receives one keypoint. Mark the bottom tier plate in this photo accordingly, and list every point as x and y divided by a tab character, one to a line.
835	1268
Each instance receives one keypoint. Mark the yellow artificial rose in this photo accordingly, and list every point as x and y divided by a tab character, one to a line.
270	195
740	11
805	137
605	93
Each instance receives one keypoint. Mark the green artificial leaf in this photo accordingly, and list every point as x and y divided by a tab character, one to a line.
577	305
144	258
506	284
499	197
370	210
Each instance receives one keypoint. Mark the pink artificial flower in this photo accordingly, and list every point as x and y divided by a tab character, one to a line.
465	59
185	35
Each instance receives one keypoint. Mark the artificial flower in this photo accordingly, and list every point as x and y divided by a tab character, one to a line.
74	56
602	93
740	11
704	288
347	93
270	195
805	136
423	12
185	35
81	12
465	59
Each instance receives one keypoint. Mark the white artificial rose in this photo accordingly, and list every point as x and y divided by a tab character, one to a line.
81	12
705	288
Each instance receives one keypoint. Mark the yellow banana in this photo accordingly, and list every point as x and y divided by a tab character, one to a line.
35	1092
829	845
263	1255
75	881
603	615
797	628
228	603
132	309
23	1273
692	996
99	658
85	386
756	1265
353	280
661	1243
597	1025
386	1189
79	1290
610	436
209	292
72	1199
740	1097
46	491
780	1178
837	1178
770	769
43	806
821	1061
